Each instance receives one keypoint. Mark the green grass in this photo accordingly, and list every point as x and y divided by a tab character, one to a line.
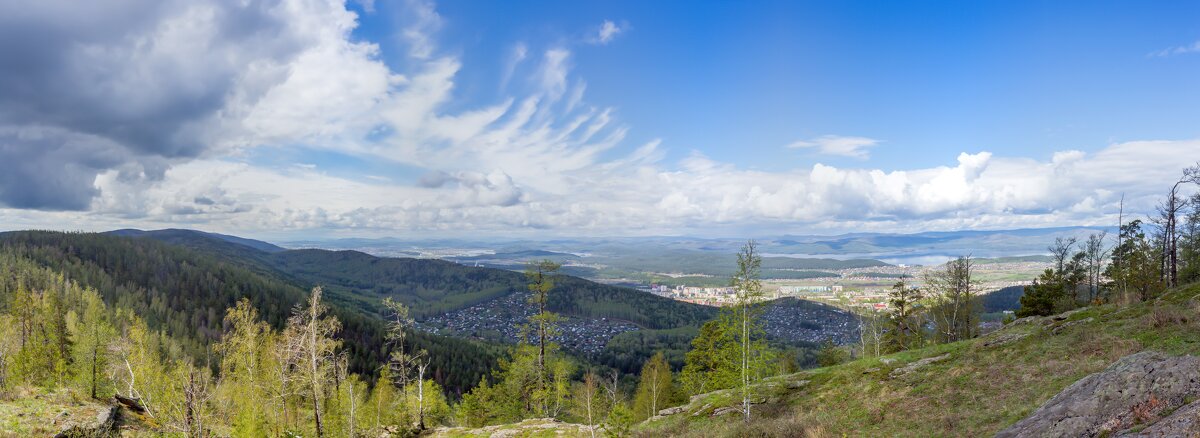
977	391
32	412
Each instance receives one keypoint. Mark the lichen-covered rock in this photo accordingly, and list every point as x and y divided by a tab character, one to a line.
672	411
898	372
1137	389
1184	422
1003	337
726	410
530	427
797	384
1059	328
104	425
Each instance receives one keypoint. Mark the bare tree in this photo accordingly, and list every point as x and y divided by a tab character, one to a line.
1120	244
612	388
870	333
952	290
1095	254
421	366
315	348
1167	220
400	363
1061	251
196	393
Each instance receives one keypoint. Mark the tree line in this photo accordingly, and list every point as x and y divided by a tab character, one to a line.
1147	257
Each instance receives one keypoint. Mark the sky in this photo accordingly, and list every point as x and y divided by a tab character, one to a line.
301	119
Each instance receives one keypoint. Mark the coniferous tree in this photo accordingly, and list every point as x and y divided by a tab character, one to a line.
904	319
711	364
541	281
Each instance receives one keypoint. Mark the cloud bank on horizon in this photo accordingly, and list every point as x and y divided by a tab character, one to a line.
269	117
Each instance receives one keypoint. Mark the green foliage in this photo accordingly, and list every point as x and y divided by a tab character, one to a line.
589	404
1008	298
619	421
904	322
183	291
655	390
830	354
431	287
482	406
1046	296
91	335
1136	265
712	362
381	408
426	401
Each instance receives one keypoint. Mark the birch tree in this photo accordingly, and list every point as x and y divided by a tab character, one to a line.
747	285
655	387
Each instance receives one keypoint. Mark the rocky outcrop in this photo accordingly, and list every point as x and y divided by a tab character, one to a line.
671	411
1003	337
1134	391
1184	422
899	372
104	425
526	428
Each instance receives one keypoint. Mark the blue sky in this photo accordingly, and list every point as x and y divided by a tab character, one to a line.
318	118
927	79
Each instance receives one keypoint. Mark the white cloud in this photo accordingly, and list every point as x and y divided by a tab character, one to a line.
854	147
606	32
543	160
1177	50
421	20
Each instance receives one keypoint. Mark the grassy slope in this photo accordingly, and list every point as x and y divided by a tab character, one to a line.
977	391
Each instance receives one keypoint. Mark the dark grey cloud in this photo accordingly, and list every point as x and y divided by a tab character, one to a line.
125	85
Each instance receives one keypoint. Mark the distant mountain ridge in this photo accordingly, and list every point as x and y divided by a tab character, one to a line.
178	235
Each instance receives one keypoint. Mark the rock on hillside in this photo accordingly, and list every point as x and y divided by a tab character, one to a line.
531	427
1134	391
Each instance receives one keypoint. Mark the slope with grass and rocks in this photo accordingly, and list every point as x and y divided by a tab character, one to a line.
1109	370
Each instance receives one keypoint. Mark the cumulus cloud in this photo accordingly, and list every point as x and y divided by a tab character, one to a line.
133	86
606	32
142	115
854	147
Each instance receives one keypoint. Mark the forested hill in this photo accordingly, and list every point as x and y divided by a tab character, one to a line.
431	287
182	281
184	292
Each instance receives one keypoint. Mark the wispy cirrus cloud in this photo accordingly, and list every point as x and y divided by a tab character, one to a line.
191	102
853	147
1177	50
